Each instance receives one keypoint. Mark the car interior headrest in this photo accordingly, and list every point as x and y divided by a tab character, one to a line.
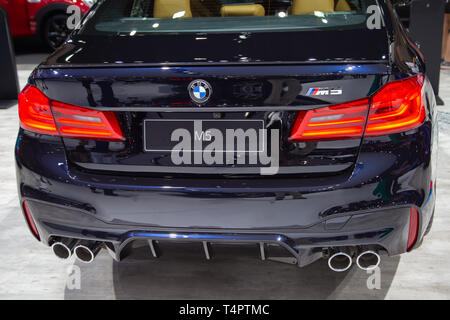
342	5
242	10
172	9
309	6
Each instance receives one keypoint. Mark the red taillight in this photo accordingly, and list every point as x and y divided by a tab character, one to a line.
413	228
35	113
397	107
338	121
85	123
30	220
39	114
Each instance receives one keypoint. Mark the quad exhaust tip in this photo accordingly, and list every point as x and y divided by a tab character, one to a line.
87	251
63	248
368	260
340	261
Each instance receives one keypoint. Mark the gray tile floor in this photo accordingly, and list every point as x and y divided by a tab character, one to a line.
28	270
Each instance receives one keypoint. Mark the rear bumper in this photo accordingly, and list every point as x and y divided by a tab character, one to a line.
387	228
368	206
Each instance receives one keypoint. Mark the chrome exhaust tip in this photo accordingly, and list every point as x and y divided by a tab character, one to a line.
63	248
340	261
87	251
368	260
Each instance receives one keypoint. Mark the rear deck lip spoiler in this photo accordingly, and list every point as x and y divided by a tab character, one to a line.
211	64
287	69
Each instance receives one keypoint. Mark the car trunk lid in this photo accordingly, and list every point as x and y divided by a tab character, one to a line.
268	87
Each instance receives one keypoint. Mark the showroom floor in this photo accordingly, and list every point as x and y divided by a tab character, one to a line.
29	270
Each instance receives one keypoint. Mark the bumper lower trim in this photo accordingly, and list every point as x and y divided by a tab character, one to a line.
206	239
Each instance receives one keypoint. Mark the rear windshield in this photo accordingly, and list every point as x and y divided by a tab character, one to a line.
130	17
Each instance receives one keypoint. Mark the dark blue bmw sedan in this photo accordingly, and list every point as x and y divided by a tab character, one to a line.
305	129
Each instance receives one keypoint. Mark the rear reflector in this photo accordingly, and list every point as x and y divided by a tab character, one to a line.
396	107
38	114
30	220
413	228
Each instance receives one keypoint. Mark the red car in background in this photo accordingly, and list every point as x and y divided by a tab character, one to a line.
47	18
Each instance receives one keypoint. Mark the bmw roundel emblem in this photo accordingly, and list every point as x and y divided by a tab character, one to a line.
200	91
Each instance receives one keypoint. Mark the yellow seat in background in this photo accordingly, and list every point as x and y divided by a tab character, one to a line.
168	8
242	10
309	6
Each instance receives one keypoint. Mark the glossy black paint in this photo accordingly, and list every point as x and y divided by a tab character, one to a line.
329	193
241	48
269	86
402	8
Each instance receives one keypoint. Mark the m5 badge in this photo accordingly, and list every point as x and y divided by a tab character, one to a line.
324	92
